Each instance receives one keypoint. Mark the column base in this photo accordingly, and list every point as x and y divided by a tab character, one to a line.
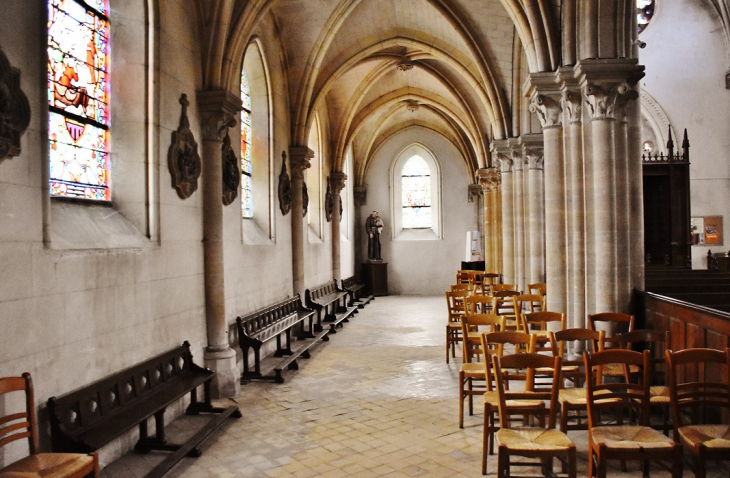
226	382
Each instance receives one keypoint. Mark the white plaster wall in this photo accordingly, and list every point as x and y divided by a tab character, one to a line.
70	317
686	63
421	267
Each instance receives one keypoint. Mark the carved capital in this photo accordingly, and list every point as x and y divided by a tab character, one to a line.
218	111
14	110
504	164
572	101
360	194
489	179
473	192
605	82
548	110
605	101
337	179
300	158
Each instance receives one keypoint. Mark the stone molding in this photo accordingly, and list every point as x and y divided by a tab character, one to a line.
532	150
284	192
231	173
218	110
14	110
360	195
182	156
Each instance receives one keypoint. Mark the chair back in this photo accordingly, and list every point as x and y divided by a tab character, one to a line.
503	305
494	344
539	288
477	304
614	323
507	368
462	277
502	287
462	286
567	342
657	343
617	394
698	386
20	425
539	323
474	323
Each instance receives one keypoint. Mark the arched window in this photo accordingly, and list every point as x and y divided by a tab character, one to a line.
78	99
416	193
246	195
644	12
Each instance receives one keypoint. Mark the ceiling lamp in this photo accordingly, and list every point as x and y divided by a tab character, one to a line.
404	64
412	105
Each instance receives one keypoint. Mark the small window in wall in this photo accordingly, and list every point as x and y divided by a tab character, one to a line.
246	196
644	12
78	99
416	193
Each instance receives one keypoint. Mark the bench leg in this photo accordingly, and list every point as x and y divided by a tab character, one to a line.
293	366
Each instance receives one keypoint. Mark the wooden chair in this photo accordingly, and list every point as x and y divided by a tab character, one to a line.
572	401
609	398
455	308
18	426
493	344
527	303
614	324
539	288
462	277
502	287
472	373
503	305
540	440
700	395
657	344
538	323
462	286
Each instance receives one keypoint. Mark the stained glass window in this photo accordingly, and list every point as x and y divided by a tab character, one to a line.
644	12
416	193
78	98
246	205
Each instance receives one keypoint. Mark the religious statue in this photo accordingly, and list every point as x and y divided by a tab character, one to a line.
374	226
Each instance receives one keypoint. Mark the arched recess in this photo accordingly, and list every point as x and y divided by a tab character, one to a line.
655	123
260	227
313	180
396	187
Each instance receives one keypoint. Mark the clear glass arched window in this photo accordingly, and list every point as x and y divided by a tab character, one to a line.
644	12
416	193
246	195
78	99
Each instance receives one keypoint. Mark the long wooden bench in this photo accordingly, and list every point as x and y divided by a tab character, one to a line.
354	290
277	321
330	302
87	419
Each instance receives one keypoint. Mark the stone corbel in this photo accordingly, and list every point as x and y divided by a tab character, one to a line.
284	187
231	173
335	185
182	156
360	195
474	191
218	110
300	158
14	110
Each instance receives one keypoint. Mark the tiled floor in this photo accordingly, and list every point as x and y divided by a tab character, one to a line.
376	400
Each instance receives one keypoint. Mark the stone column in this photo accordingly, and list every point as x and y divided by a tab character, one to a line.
489	179
519	213
532	148
218	110
636	195
337	184
548	109
604	83
299	159
504	163
575	201
623	226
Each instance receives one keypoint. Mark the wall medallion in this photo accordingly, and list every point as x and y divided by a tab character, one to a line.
231	174
14	110
182	157
284	187
305	199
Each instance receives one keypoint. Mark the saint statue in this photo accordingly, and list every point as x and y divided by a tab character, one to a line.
374	226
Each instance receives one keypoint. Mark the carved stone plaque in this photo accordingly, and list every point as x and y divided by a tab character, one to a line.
182	157
231	174
329	202
305	199
14	110
284	187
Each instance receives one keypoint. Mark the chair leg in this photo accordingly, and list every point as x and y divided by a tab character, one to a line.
677	463
591	463
502	463
485	438
461	399
571	471
471	396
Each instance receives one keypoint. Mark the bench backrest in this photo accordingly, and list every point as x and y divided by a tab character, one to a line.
256	324
349	282
322	290
99	401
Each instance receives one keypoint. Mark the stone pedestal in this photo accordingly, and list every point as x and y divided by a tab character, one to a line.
375	275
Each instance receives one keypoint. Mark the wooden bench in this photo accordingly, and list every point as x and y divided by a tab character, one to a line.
278	319
330	302
354	288
87	419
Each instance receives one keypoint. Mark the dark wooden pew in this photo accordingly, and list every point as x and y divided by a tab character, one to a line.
330	303
355	292
277	321
86	419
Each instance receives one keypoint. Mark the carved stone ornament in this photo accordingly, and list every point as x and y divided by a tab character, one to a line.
360	195
231	174
305	199
572	101
182	157
329	201
603	100
285	199
341	209
547	109
14	110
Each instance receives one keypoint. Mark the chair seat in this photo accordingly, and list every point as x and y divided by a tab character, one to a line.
534	439
49	465
613	369
454	326
575	396
492	398
630	438
659	394
473	370
710	436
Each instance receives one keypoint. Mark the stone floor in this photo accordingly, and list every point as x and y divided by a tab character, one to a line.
378	399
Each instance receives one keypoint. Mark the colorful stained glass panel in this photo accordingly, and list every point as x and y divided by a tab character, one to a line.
246	199
78	99
644	13
246	205
416	193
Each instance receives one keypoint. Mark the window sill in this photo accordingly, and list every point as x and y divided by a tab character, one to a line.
253	235
416	235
